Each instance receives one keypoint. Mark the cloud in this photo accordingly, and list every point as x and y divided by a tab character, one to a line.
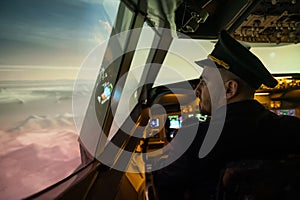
105	24
102	31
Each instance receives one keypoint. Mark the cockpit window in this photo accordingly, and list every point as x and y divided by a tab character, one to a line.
281	59
179	64
43	44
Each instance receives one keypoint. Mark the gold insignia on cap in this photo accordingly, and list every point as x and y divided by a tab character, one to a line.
218	61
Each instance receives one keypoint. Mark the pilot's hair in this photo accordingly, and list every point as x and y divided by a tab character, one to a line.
243	87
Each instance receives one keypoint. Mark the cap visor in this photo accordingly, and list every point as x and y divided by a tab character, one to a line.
206	63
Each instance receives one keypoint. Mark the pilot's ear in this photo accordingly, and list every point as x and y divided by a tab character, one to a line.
231	88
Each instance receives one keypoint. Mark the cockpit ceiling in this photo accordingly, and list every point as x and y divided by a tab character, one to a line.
272	21
266	21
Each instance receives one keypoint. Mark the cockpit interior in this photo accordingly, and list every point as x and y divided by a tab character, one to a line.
134	109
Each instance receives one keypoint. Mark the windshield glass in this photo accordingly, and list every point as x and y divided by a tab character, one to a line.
179	63
43	44
280	59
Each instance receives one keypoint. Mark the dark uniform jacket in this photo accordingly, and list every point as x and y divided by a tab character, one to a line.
250	132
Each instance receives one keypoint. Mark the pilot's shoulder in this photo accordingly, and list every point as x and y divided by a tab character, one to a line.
289	121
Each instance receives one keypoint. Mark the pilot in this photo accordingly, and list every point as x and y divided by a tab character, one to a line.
247	130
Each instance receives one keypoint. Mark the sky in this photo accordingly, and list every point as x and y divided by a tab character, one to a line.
52	32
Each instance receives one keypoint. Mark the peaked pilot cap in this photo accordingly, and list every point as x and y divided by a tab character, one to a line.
234	57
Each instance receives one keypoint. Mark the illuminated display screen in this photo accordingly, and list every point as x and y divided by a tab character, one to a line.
175	121
154	123
290	112
202	118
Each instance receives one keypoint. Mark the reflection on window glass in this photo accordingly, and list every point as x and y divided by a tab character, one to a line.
43	44
106	80
129	92
132	87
